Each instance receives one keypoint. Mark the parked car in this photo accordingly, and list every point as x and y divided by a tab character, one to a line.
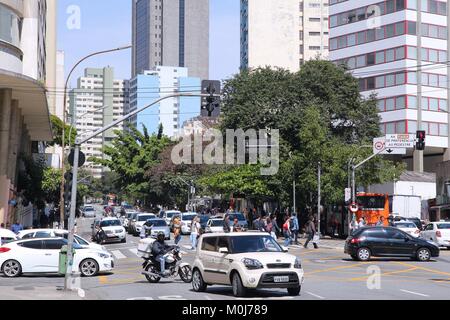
409	227
388	242
158	225
112	228
416	221
141	218
7	236
214	225
57	233
245	261
42	256
88	212
186	222
438	232
168	215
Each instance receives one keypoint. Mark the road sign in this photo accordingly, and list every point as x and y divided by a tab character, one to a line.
354	208
380	143
81	160
400	141
348	194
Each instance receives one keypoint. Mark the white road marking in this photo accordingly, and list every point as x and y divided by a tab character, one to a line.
314	295
187	247
134	251
119	255
416	293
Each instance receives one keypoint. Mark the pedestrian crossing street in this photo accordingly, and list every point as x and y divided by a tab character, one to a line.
132	253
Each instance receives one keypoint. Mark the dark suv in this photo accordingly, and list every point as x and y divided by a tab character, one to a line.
388	242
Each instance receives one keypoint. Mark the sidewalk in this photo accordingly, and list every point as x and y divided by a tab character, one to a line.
41	293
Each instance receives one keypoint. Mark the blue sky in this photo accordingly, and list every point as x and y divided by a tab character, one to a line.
106	24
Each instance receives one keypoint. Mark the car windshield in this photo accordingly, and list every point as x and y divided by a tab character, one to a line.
443	226
157	223
188	217
146	217
110	223
88	209
371	203
216	223
204	219
170	214
257	243
405	225
239	216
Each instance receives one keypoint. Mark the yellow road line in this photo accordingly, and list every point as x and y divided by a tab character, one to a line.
334	268
425	269
103	279
385	274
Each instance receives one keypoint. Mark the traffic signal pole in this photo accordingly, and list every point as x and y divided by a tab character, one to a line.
73	203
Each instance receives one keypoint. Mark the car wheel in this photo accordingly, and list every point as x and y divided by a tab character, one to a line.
12	269
363	254
198	284
294	291
89	267
152	278
185	273
423	254
238	288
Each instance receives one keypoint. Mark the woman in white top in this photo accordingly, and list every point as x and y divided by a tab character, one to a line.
195	229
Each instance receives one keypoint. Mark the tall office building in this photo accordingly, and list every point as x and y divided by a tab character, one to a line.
284	33
98	100
24	110
171	113
171	33
398	50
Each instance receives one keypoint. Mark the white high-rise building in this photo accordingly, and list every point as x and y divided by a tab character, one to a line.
382	43
284	33
98	101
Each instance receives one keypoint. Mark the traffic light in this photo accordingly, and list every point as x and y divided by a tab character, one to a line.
211	104
68	177
420	144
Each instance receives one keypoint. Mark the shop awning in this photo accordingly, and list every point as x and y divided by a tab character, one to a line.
32	98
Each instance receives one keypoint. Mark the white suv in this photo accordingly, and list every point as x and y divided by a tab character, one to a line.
245	261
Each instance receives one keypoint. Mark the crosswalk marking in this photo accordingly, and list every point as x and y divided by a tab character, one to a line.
119	255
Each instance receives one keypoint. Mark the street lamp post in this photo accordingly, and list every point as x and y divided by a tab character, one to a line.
62	205
78	143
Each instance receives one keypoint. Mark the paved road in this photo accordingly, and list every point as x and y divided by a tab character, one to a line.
329	275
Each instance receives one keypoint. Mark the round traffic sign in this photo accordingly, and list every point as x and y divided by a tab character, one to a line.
354	208
379	145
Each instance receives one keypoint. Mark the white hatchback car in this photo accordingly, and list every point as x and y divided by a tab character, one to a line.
42	256
214	225
409	227
245	261
438	232
113	229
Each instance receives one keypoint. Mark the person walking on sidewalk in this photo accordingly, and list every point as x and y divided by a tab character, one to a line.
287	231
310	232
295	227
195	230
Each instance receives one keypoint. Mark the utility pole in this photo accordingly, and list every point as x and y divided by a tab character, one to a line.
77	147
319	173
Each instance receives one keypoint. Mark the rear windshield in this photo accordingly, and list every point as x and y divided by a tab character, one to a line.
110	223
216	223
443	226
405	225
146	217
157	223
188	217
239	216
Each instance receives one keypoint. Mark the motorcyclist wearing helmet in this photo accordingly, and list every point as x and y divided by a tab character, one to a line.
159	250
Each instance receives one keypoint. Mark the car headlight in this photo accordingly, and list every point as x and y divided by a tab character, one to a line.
297	264
252	264
103	255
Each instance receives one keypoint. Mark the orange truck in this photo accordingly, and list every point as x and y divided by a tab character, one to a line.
372	206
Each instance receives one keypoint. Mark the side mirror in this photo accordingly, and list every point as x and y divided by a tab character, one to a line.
223	250
285	249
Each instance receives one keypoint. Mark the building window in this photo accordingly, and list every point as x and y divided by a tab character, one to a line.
10	26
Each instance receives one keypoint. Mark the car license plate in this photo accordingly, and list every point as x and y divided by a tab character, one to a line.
281	279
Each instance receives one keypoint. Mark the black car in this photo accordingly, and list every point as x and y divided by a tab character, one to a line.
388	242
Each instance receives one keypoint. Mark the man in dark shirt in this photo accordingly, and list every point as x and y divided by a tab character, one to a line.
226	224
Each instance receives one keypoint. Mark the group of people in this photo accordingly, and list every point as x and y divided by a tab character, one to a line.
363	223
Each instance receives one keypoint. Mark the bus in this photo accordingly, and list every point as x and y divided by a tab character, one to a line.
372	206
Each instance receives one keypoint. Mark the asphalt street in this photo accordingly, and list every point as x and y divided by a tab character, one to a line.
329	275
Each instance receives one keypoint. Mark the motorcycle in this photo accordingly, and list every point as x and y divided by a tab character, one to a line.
174	265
